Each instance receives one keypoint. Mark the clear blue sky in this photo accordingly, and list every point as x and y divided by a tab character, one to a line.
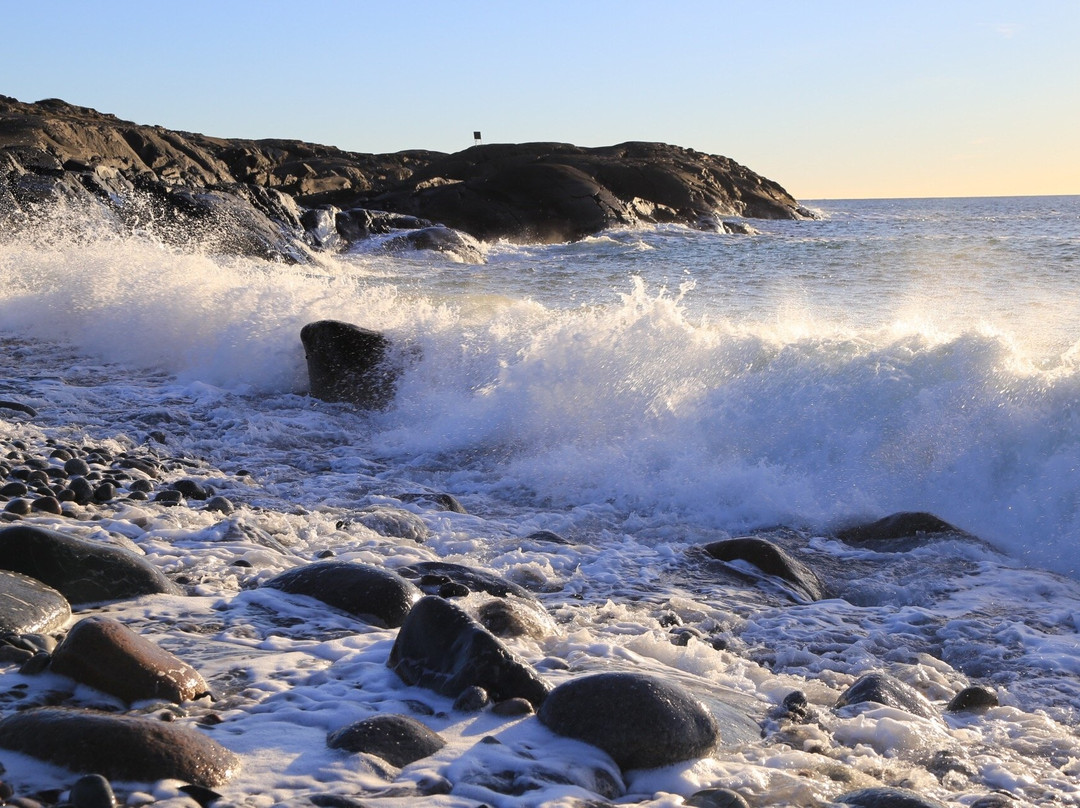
830	99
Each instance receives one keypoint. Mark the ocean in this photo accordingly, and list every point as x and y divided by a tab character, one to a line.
637	393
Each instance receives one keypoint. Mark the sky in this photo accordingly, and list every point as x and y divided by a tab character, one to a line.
833	100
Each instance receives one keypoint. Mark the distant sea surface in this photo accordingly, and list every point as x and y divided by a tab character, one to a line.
638	393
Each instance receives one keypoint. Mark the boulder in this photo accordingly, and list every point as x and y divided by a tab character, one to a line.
348	363
375	595
397	739
880	688
392	522
641	721
771	560
440	647
83	571
118	747
107	655
972	699
899	532
28	606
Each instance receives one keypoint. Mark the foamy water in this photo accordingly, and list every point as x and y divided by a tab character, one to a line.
638	393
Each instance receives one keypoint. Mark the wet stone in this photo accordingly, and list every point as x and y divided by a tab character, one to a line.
887	798
397	739
107	655
28	606
373	594
716	798
640	721
122	747
972	699
880	688
76	466
92	791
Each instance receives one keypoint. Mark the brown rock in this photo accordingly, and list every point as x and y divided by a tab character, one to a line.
118	747
105	654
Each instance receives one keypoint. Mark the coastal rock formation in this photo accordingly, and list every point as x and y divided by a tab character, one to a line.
440	647
641	721
375	595
900	531
82	571
282	199
107	655
118	747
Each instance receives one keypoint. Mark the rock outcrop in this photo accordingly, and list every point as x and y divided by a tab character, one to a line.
283	199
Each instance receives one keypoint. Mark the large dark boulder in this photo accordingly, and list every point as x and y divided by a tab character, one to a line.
641	721
28	606
82	571
105	654
397	739
880	688
771	560
455	245
440	647
900	531
118	747
373	594
348	363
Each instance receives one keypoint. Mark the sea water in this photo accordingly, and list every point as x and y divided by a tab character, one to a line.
638	393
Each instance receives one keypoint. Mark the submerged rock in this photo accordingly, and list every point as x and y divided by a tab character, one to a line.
397	739
107	655
348	363
118	747
27	606
373	594
440	647
82	571
641	721
771	560
881	688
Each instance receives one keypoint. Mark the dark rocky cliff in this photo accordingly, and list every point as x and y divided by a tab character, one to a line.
284	198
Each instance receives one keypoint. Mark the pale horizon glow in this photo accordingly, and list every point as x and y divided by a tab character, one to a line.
833	100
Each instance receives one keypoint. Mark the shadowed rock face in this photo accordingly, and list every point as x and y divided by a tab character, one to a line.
118	747
248	196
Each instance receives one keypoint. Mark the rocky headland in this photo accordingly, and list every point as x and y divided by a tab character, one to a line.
286	199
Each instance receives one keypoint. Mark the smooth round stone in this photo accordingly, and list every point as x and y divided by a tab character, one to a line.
397	739
83	571
18	507
716	798
640	721
121	747
373	594
15	488
104	492
92	791
47	504
472	699
881	688
77	466
107	655
972	699
220	504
